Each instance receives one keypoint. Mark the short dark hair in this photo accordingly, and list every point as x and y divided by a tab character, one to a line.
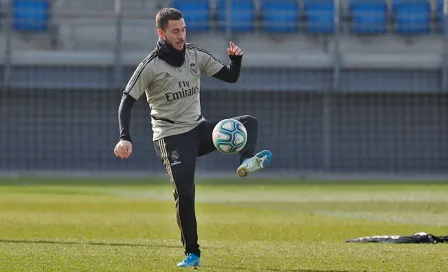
166	14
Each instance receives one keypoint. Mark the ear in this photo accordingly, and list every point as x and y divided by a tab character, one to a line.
161	33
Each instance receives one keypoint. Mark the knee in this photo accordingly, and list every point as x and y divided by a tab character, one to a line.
248	119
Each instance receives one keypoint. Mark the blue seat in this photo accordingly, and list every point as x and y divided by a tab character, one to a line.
196	14
30	15
368	16
319	16
411	16
242	16
280	16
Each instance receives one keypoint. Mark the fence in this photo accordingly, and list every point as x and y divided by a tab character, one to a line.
336	105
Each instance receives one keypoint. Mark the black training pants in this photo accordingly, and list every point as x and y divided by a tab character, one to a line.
179	154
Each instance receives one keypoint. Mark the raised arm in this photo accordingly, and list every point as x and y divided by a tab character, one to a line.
212	67
231	72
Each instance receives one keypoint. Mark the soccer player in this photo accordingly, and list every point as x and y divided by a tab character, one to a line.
170	78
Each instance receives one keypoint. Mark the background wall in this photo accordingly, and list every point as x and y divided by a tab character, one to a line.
331	99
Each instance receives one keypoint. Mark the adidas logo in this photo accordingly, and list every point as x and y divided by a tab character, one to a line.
167	75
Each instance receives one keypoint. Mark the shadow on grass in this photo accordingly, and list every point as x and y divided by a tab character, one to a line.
83	243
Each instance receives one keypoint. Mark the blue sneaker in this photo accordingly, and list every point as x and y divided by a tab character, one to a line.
190	261
257	162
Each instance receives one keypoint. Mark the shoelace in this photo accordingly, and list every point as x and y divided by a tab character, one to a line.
255	163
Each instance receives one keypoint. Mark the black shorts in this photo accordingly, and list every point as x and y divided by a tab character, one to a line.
186	147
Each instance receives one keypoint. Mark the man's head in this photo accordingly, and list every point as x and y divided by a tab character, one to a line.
171	27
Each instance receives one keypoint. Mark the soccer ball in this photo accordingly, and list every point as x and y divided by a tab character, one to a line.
229	136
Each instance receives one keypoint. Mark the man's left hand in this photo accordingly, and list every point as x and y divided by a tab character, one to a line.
234	50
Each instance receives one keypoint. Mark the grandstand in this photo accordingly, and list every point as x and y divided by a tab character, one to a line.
370	33
343	86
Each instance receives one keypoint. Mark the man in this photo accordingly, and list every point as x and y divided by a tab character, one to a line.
170	77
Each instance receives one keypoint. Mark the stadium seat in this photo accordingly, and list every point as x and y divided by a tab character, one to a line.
241	18
411	16
196	14
280	16
368	16
30	15
319	16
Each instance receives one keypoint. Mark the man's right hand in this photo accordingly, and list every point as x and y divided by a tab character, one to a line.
123	149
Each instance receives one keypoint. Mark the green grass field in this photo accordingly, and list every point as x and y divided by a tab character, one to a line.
116	225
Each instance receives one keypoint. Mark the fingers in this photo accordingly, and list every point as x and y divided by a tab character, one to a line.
238	51
120	152
123	151
129	150
230	49
234	50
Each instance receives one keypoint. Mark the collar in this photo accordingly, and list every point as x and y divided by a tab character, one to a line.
169	54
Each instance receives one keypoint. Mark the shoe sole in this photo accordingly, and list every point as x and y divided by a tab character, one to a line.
195	266
243	171
189	266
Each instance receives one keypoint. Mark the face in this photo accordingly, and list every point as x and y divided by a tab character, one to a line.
175	33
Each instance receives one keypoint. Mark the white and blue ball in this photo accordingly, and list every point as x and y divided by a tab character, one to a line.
229	136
